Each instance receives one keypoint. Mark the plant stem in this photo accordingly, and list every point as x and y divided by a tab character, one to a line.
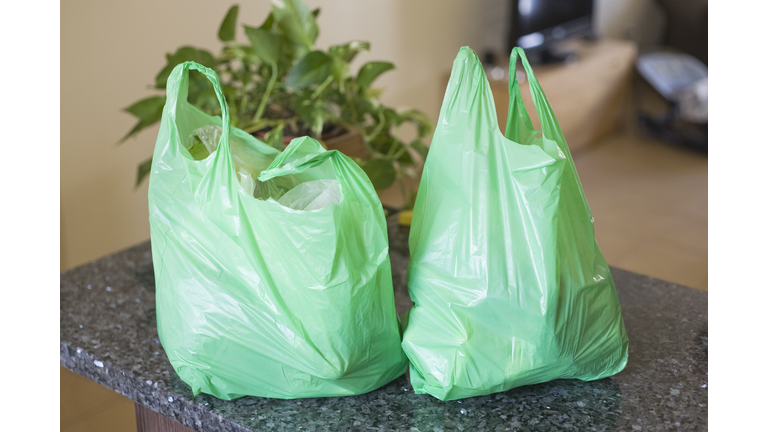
243	101
264	98
378	128
351	106
321	87
400	152
392	148
404	191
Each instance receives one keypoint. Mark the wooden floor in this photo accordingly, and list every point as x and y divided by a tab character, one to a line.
89	407
649	201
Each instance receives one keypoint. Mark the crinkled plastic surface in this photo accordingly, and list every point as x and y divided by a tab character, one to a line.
312	195
509	285
209	136
256	298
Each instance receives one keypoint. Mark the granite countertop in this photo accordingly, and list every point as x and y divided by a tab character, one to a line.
109	335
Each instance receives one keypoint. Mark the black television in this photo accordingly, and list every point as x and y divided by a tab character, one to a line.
538	26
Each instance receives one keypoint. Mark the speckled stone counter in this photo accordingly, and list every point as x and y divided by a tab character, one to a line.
109	335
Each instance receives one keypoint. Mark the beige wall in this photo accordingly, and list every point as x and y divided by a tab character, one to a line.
111	51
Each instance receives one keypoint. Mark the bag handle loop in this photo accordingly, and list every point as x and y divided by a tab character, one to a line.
178	89
517	112
310	154
307	153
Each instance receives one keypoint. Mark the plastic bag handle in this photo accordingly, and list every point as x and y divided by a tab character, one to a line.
178	88
315	155
517	111
549	125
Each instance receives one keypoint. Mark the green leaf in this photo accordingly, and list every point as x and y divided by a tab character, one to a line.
392	116
370	71
183	54
382	142
267	24
339	69
419	147
240	52
148	108
202	95
373	93
311	114
381	173
144	169
422	122
342	55
266	45
304	108
227	29
198	151
347	52
405	159
297	23
316	12
149	111
313	68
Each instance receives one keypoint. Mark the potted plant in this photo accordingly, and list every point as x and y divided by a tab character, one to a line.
279	86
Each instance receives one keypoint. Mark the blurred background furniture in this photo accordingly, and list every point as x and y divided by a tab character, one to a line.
676	70
681	80
687	26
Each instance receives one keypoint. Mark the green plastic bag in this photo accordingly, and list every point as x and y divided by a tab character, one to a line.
509	285
254	297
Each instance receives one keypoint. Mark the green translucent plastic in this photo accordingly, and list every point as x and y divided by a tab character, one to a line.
509	285
254	298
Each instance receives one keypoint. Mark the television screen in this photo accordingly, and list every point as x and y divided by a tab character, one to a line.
536	22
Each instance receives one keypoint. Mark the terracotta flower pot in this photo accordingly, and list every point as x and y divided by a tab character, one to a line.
349	142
